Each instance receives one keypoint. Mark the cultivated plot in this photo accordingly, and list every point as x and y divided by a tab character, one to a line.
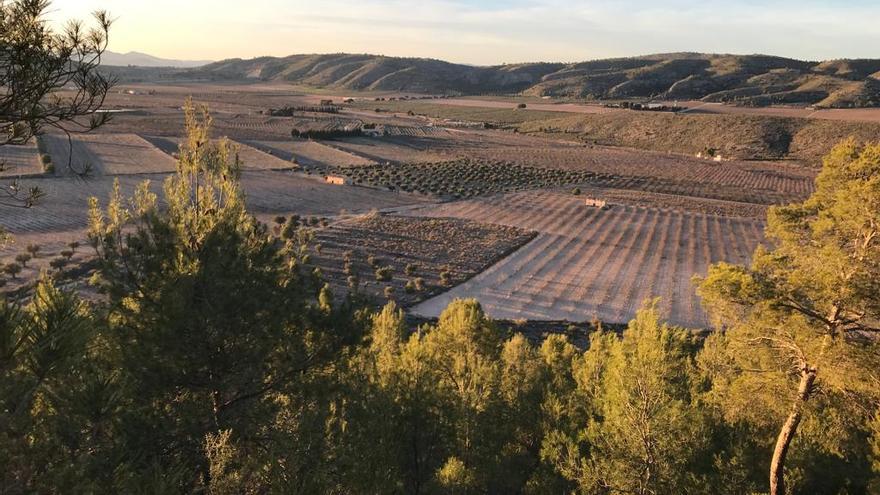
310	153
257	157
592	263
773	179
423	256
387	150
106	154
19	160
65	207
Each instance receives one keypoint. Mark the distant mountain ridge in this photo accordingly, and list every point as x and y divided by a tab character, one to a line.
744	79
138	59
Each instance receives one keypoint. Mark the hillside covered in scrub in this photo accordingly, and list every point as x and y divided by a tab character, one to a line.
757	80
732	136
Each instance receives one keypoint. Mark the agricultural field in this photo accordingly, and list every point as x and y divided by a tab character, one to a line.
61	217
500	114
269	192
591	263
20	160
460	178
469	177
387	151
414	257
105	154
252	157
499	209
311	153
788	179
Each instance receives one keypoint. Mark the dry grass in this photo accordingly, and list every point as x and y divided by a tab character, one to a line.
736	136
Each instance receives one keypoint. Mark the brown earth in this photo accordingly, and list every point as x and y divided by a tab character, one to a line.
590	263
460	247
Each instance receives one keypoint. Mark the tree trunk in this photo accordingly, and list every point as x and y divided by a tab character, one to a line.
783	442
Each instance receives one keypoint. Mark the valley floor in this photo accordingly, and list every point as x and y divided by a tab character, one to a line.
523	239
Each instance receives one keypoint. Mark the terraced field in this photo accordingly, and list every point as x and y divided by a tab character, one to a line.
310	153
19	160
774	179
386	150
590	263
65	206
107	154
252	158
430	246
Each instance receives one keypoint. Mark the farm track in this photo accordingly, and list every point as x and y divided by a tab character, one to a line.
589	263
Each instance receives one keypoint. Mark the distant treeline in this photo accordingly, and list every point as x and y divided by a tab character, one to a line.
646	107
290	111
332	133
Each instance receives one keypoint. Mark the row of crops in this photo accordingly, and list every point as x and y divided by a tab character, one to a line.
460	178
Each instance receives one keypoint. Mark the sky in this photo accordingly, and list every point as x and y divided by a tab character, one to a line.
486	32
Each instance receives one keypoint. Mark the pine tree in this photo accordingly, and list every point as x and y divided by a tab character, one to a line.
642	430
217	324
798	327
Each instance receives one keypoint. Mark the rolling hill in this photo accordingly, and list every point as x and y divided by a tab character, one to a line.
757	80
380	73
138	59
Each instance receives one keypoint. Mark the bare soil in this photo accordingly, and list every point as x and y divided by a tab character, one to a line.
20	160
463	248
590	263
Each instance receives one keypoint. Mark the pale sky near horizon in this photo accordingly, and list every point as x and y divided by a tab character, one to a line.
487	31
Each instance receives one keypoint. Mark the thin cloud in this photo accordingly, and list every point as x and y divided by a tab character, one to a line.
490	31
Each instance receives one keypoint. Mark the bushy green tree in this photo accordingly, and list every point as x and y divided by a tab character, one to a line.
644	431
36	63
797	342
217	327
450	408
59	398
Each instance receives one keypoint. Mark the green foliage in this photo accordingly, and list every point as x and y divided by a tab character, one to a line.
795	352
60	403
219	361
37	63
640	430
217	324
384	273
